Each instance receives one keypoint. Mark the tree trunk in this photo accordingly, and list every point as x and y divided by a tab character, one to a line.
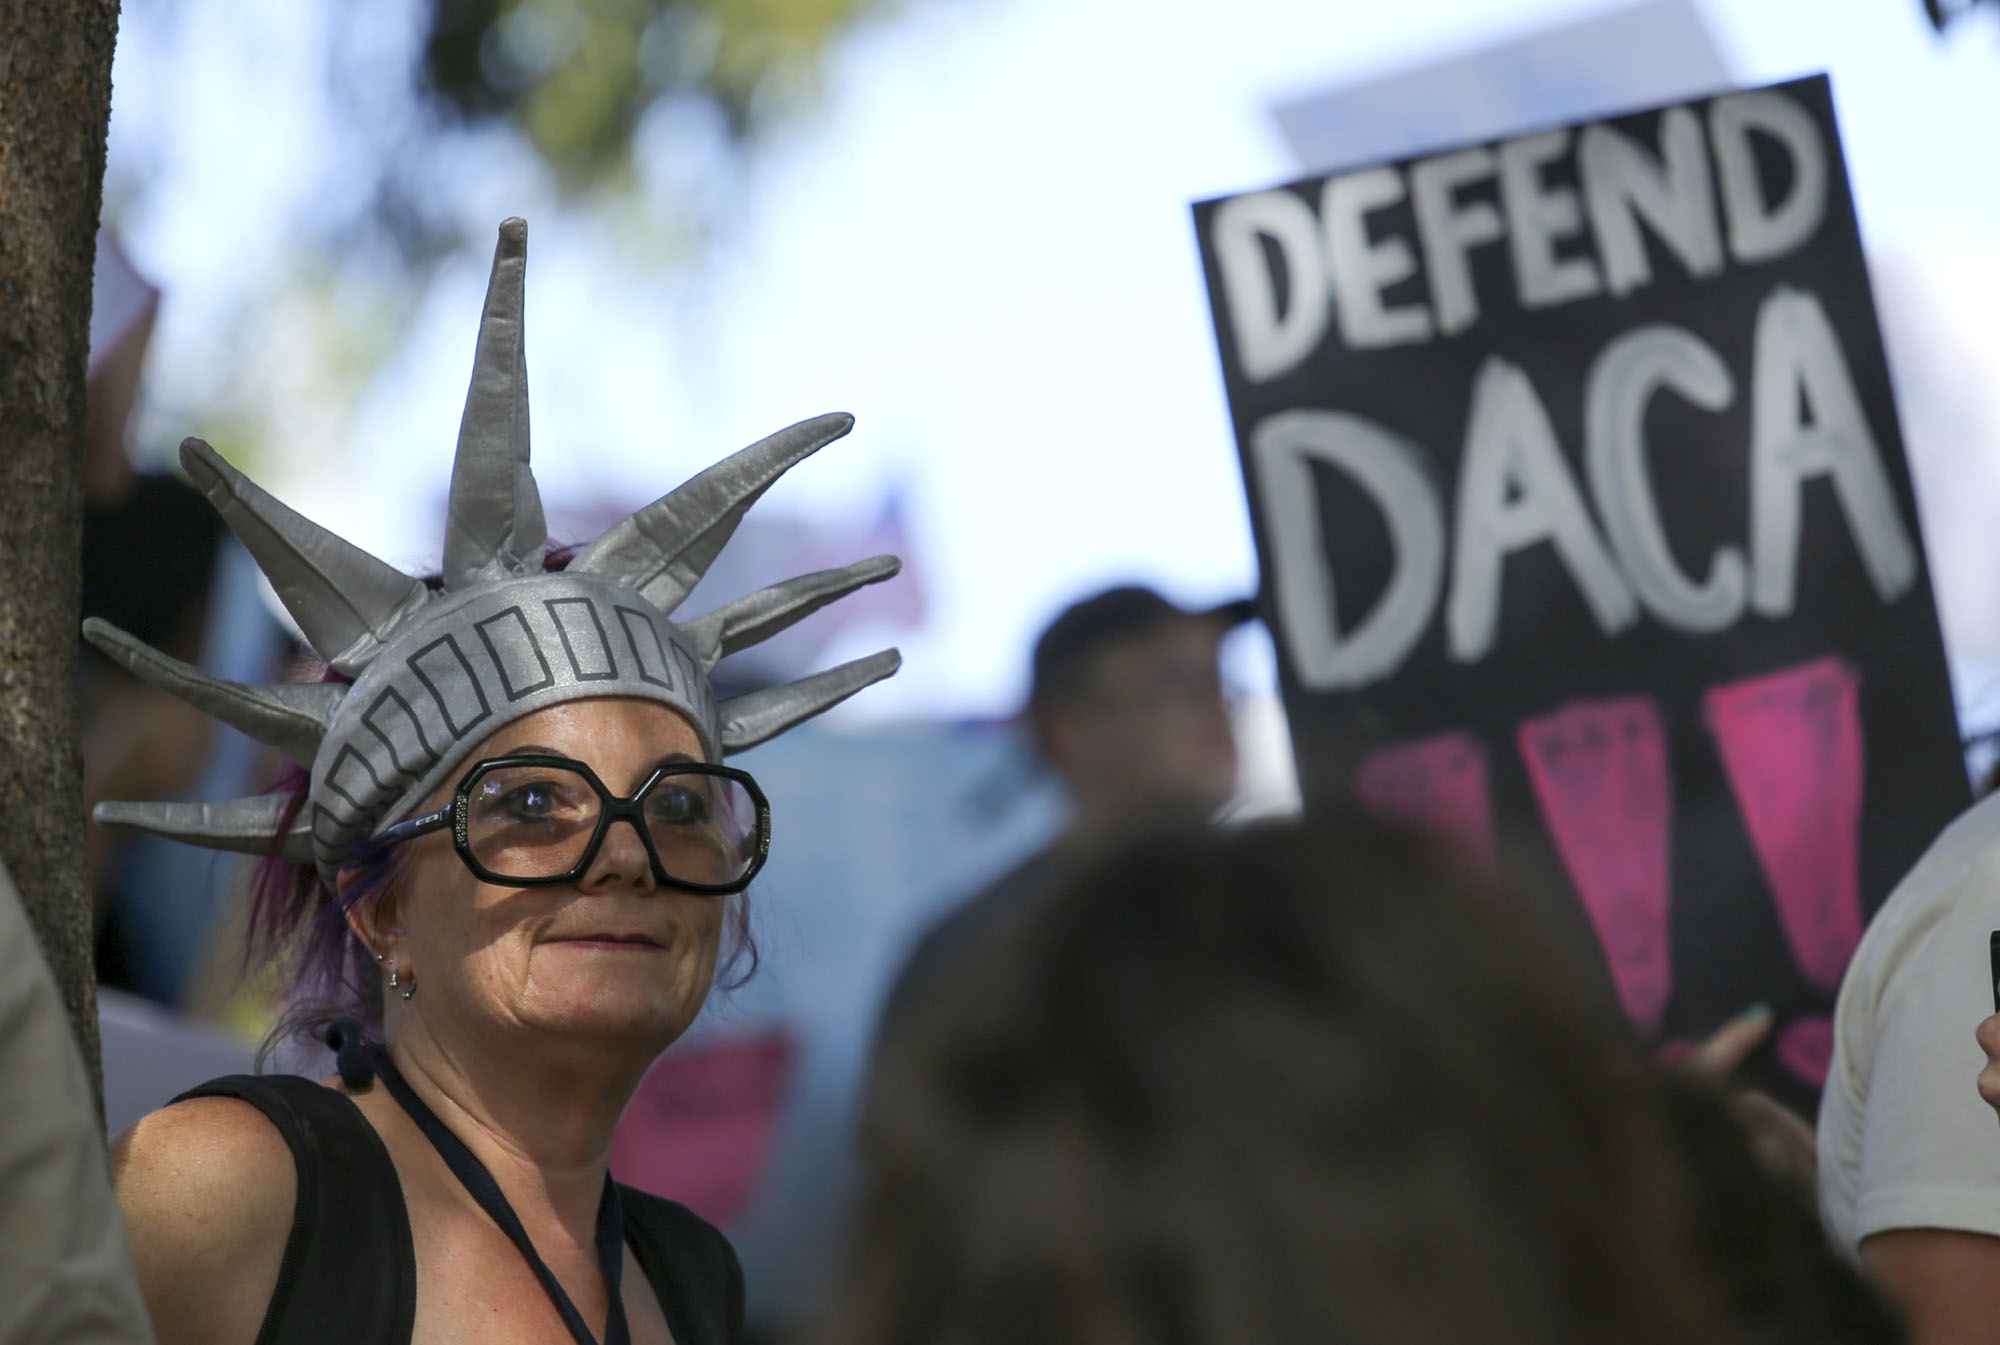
55	108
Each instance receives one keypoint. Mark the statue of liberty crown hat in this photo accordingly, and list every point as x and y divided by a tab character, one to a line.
437	671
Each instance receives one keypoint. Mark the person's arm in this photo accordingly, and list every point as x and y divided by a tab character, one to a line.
1947	1283
208	1189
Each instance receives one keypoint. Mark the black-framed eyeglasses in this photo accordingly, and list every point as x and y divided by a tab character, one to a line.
535	821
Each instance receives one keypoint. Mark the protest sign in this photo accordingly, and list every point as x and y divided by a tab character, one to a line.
1585	527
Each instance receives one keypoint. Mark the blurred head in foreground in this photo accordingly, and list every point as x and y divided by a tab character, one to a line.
1291	1084
1128	705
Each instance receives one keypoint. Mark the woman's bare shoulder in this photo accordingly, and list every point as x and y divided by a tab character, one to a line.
207	1188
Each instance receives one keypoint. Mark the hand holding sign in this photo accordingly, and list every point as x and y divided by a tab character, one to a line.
1783	1143
1989	1077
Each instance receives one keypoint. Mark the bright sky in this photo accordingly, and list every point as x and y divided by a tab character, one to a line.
980	246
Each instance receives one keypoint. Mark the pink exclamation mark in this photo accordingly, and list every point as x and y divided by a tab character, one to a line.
1599	770
1791	746
1435	786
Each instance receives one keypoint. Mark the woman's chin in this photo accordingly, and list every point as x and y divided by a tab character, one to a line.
643	1012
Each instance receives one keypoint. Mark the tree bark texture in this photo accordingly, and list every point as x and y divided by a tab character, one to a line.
55	109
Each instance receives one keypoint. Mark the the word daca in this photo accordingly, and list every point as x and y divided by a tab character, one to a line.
1515	490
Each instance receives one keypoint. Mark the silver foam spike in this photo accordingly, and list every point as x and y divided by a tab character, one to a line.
494	526
245	826
290	716
758	616
345	601
756	716
665	548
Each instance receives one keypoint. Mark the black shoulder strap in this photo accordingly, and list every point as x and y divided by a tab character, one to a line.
691	1266
479	1184
350	1269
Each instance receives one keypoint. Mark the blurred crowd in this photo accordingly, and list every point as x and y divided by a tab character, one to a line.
1303	1080
1165	1081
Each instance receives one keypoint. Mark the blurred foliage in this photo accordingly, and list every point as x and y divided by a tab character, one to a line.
576	76
630	127
1943	12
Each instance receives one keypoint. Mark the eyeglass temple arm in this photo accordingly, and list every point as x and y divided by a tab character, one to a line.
413	827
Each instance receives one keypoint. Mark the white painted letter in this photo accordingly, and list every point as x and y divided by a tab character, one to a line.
1284	447
1622	382
1798	360
1759	231
1515	490
1361	269
1271	336
1448	230
1622	181
1539	215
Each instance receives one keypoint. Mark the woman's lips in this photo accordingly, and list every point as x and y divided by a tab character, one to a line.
642	941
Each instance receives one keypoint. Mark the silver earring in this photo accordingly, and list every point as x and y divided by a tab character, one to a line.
392	977
412	990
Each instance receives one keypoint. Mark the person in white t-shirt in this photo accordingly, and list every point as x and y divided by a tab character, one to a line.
1909	1157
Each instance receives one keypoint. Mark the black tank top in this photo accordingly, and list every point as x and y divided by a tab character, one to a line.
350	1270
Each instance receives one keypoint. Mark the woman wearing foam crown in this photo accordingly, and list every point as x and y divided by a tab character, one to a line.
516	853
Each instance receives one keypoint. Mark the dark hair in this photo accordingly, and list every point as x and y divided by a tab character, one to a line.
298	924
1066	645
1289	1084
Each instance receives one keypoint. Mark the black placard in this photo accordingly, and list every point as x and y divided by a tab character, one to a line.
1585	524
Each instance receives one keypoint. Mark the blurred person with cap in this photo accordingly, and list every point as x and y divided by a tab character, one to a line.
1127	708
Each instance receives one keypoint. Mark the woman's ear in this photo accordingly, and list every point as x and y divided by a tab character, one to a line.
371	917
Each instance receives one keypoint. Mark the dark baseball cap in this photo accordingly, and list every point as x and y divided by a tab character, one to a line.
1091	623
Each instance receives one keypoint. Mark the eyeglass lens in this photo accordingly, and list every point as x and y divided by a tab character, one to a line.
530	822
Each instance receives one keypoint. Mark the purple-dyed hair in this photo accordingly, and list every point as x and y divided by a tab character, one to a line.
301	925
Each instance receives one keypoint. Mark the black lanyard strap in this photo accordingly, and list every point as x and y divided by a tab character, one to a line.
479	1182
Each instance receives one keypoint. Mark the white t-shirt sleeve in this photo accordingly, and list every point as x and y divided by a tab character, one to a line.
1922	1148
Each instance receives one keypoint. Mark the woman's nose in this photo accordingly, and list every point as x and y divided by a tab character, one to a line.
622	857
